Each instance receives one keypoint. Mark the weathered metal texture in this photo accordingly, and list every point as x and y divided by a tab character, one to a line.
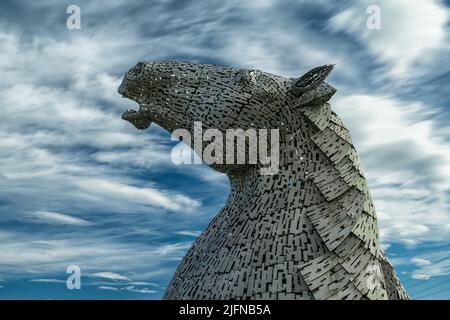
308	232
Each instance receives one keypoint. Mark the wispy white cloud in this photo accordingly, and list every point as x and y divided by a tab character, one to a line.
111	276
172	248
420	261
431	265
108	288
48	280
407	164
194	233
22	254
58	218
139	290
143	283
128	288
147	196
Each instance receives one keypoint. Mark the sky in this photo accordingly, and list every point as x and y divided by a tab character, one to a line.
79	186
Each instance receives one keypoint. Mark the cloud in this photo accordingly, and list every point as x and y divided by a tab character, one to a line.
143	290
411	33
128	288
431	265
111	276
169	249
23	255
420	261
147	196
59	218
189	233
108	288
407	165
48	280
143	283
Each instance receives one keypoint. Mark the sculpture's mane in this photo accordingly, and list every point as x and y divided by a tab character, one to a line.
348	220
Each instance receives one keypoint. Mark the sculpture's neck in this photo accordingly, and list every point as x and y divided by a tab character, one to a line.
290	188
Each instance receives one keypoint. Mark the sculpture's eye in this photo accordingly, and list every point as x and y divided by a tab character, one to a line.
245	76
135	71
238	76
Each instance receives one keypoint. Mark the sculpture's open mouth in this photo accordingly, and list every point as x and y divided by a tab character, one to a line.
141	120
138	119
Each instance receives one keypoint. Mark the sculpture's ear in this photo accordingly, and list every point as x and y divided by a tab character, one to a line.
311	80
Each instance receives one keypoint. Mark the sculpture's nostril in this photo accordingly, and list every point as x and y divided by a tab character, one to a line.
136	70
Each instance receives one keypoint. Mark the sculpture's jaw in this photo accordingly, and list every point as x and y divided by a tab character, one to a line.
139	119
